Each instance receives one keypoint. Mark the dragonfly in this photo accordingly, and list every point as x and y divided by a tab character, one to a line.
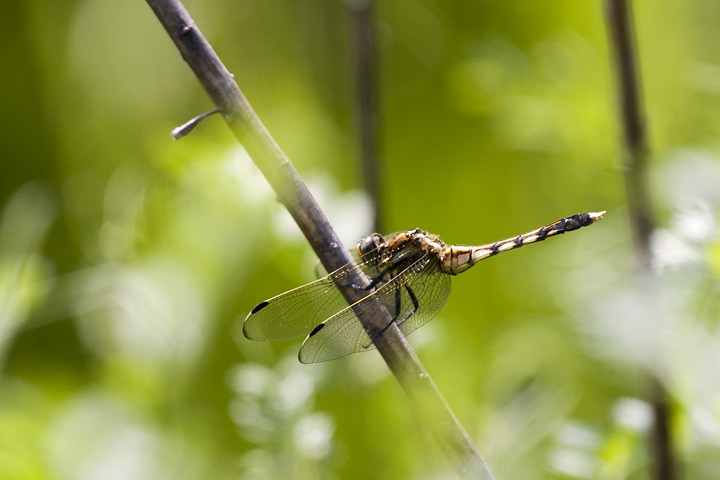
408	272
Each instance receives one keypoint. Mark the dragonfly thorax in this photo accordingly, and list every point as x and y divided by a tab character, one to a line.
424	241
400	250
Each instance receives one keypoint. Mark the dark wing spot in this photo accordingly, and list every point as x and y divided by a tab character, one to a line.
259	307
316	330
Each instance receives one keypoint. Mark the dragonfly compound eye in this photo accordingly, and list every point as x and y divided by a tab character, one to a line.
368	244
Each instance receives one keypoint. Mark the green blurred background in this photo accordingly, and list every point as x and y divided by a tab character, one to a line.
128	259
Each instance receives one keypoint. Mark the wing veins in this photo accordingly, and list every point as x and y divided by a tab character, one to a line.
308	301
345	317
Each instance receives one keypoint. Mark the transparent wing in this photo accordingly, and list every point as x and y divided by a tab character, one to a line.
413	297
296	312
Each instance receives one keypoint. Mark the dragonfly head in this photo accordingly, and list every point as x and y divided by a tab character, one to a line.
370	243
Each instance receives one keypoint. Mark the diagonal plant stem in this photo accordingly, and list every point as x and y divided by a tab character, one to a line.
620	24
295	196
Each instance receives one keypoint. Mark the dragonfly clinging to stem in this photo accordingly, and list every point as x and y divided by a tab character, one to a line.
409	272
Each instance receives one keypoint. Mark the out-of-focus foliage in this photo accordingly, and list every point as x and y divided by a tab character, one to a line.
127	260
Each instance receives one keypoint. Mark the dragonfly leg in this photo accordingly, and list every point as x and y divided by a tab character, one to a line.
414	299
373	282
381	332
398	309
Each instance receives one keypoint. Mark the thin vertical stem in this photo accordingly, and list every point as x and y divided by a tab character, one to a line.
619	16
363	42
634	128
662	439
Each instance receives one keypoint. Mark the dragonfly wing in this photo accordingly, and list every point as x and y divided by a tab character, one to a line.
336	337
296	312
412	298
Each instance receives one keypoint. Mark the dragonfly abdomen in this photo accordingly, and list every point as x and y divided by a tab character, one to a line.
457	258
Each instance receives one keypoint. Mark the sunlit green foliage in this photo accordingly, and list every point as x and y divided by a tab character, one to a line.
127	260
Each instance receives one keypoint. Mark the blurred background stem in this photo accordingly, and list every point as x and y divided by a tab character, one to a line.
363	42
636	154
